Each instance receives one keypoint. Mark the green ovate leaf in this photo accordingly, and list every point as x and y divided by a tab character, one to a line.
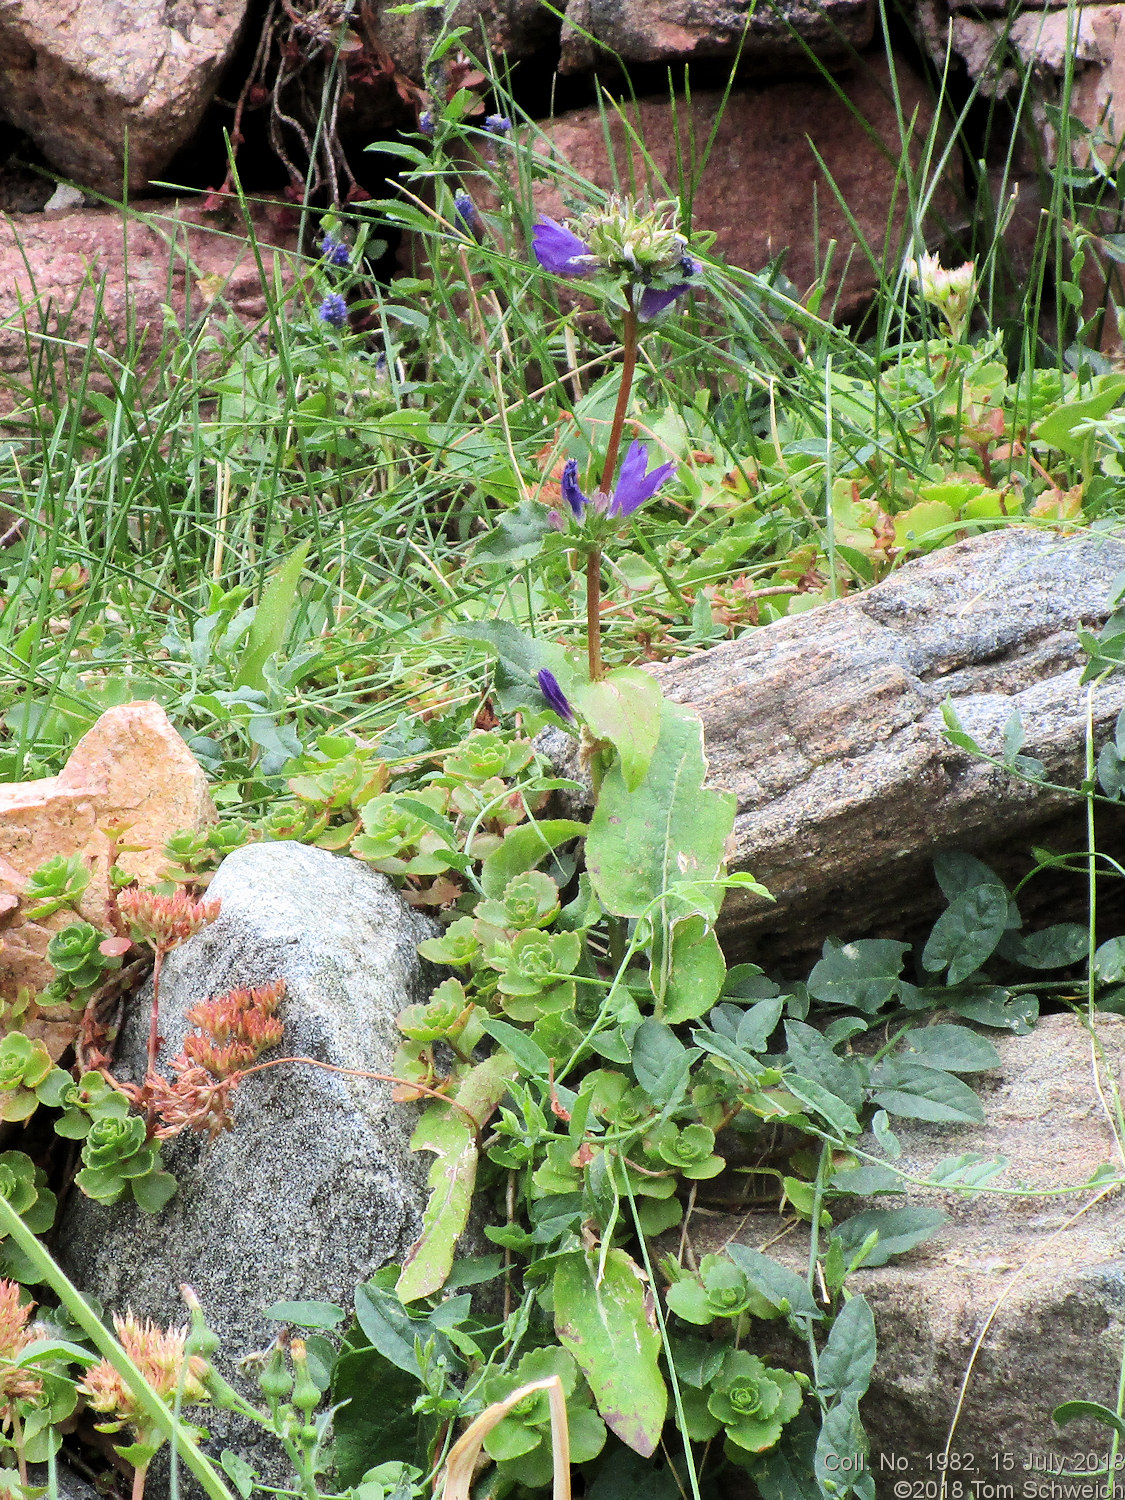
610	1329
624	707
668	830
846	1361
967	932
270	624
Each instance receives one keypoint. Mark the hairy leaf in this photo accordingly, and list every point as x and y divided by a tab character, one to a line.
669	830
610	1329
624	707
967	932
846	1361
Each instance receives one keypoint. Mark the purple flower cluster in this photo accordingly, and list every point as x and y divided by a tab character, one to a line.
560	251
634	485
468	215
333	310
498	125
334	251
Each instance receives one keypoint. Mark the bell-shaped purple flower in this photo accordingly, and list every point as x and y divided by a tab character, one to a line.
559	251
498	125
653	301
570	491
426	123
635	486
556	698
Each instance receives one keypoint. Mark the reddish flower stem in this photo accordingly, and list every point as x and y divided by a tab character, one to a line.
628	369
154	1029
314	1062
594	614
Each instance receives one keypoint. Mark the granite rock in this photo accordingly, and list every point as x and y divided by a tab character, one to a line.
54	265
87	105
315	1188
790	34
131	768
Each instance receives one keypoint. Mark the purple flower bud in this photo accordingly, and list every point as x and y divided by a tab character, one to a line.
426	122
334	251
468	217
556	698
333	310
634	486
498	125
570	491
559	251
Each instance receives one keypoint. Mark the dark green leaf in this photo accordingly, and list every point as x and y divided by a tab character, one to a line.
955	1049
919	1093
1109	961
1050	948
821	1102
847	1359
516	537
777	1283
533	1061
865	1180
841	1435
967	932
863	975
376	1423
661	1062
995	1007
812	1057
306	1314
1091	1411
899	1230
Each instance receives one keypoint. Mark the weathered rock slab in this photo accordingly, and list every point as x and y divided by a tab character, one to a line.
131	768
761	188
1039	1281
315	1187
828	729
762	37
85	77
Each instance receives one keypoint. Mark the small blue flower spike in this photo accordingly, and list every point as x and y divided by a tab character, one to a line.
333	310
556	698
426	122
498	125
468	216
334	251
634	486
559	251
570	491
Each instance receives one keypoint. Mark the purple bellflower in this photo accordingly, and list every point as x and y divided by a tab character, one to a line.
498	125
634	486
333	310
556	698
559	251
426	122
654	300
334	251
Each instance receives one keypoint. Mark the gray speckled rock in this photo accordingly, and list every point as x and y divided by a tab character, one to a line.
827	727
315	1187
